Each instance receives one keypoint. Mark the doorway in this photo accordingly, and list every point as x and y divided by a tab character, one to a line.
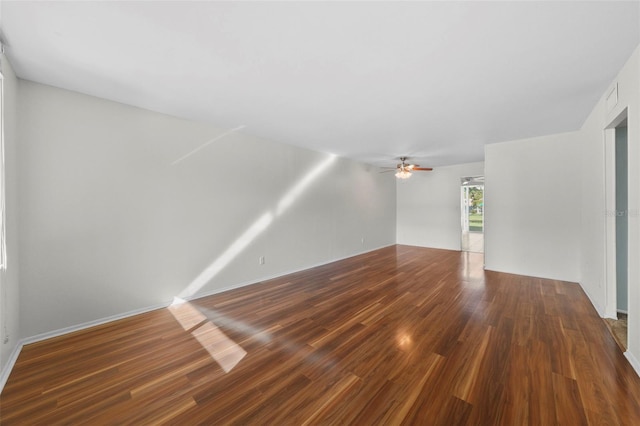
616	172
472	214
621	218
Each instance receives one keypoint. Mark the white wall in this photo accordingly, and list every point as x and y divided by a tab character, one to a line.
9	297
109	225
591	146
593	215
532	207
629	80
428	206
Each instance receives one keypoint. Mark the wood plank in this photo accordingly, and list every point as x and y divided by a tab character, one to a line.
400	335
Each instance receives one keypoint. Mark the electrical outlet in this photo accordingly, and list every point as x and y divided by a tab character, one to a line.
362	240
261	260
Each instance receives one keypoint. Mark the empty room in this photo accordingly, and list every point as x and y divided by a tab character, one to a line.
308	212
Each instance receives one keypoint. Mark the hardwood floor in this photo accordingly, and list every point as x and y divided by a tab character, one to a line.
402	335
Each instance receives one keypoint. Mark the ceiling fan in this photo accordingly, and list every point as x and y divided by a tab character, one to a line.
403	169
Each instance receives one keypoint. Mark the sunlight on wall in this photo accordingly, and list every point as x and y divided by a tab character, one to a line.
222	349
287	200
229	254
225	351
257	228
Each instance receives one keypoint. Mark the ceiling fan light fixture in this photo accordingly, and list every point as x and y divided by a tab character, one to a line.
403	174
404	169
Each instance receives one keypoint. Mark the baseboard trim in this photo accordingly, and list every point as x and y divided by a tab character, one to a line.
100	321
529	274
6	371
633	361
279	274
601	312
8	367
78	327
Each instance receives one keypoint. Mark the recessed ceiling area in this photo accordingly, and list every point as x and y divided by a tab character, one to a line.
372	81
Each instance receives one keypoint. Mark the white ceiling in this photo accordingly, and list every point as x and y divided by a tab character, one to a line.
366	80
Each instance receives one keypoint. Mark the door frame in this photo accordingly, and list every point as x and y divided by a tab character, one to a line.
611	310
465	184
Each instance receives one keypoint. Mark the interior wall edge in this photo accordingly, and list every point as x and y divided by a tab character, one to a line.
433	247
633	361
282	274
428	206
534	275
10	324
83	326
11	361
599	309
296	207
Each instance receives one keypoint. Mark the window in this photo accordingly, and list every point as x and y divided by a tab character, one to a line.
3	243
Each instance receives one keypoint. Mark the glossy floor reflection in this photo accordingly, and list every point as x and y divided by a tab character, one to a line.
472	241
400	335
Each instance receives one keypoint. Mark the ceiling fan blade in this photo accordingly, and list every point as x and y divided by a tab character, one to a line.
387	171
426	169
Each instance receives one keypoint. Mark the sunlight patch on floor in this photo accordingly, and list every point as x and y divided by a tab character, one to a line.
222	349
235	325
